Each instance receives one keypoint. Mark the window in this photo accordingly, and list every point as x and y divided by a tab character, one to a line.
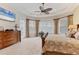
63	25
32	28
46	26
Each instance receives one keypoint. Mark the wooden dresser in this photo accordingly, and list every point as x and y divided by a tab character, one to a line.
8	38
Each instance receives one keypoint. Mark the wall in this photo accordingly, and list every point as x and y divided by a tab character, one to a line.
76	16
6	24
21	21
6	6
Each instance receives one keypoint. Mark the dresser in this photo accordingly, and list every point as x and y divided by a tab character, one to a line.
8	38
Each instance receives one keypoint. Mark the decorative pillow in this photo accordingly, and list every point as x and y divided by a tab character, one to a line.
77	35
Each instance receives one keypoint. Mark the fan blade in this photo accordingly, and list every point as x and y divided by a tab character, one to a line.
37	11
46	12
48	9
41	8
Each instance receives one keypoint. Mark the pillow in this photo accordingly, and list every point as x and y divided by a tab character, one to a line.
77	35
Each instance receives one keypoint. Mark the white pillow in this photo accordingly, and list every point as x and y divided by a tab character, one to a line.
77	35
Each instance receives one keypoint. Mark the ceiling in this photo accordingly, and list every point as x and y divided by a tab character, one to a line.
59	9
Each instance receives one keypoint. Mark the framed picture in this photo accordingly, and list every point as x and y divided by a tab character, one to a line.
7	14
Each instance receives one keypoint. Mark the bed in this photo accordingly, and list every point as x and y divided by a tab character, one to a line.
62	44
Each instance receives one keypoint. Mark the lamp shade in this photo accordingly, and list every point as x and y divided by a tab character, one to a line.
72	27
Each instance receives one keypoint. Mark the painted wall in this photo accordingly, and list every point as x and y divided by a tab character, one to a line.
6	25
76	16
21	21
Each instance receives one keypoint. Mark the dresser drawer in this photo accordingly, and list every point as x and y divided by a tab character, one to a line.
0	41
1	45
8	38
10	42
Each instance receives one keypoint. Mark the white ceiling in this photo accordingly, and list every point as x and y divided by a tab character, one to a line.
59	9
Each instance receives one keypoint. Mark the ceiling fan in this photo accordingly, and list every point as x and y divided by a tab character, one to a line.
44	10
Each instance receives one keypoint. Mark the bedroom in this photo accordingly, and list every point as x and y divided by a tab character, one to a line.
31	20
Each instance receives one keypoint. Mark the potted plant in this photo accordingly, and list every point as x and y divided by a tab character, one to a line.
41	33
